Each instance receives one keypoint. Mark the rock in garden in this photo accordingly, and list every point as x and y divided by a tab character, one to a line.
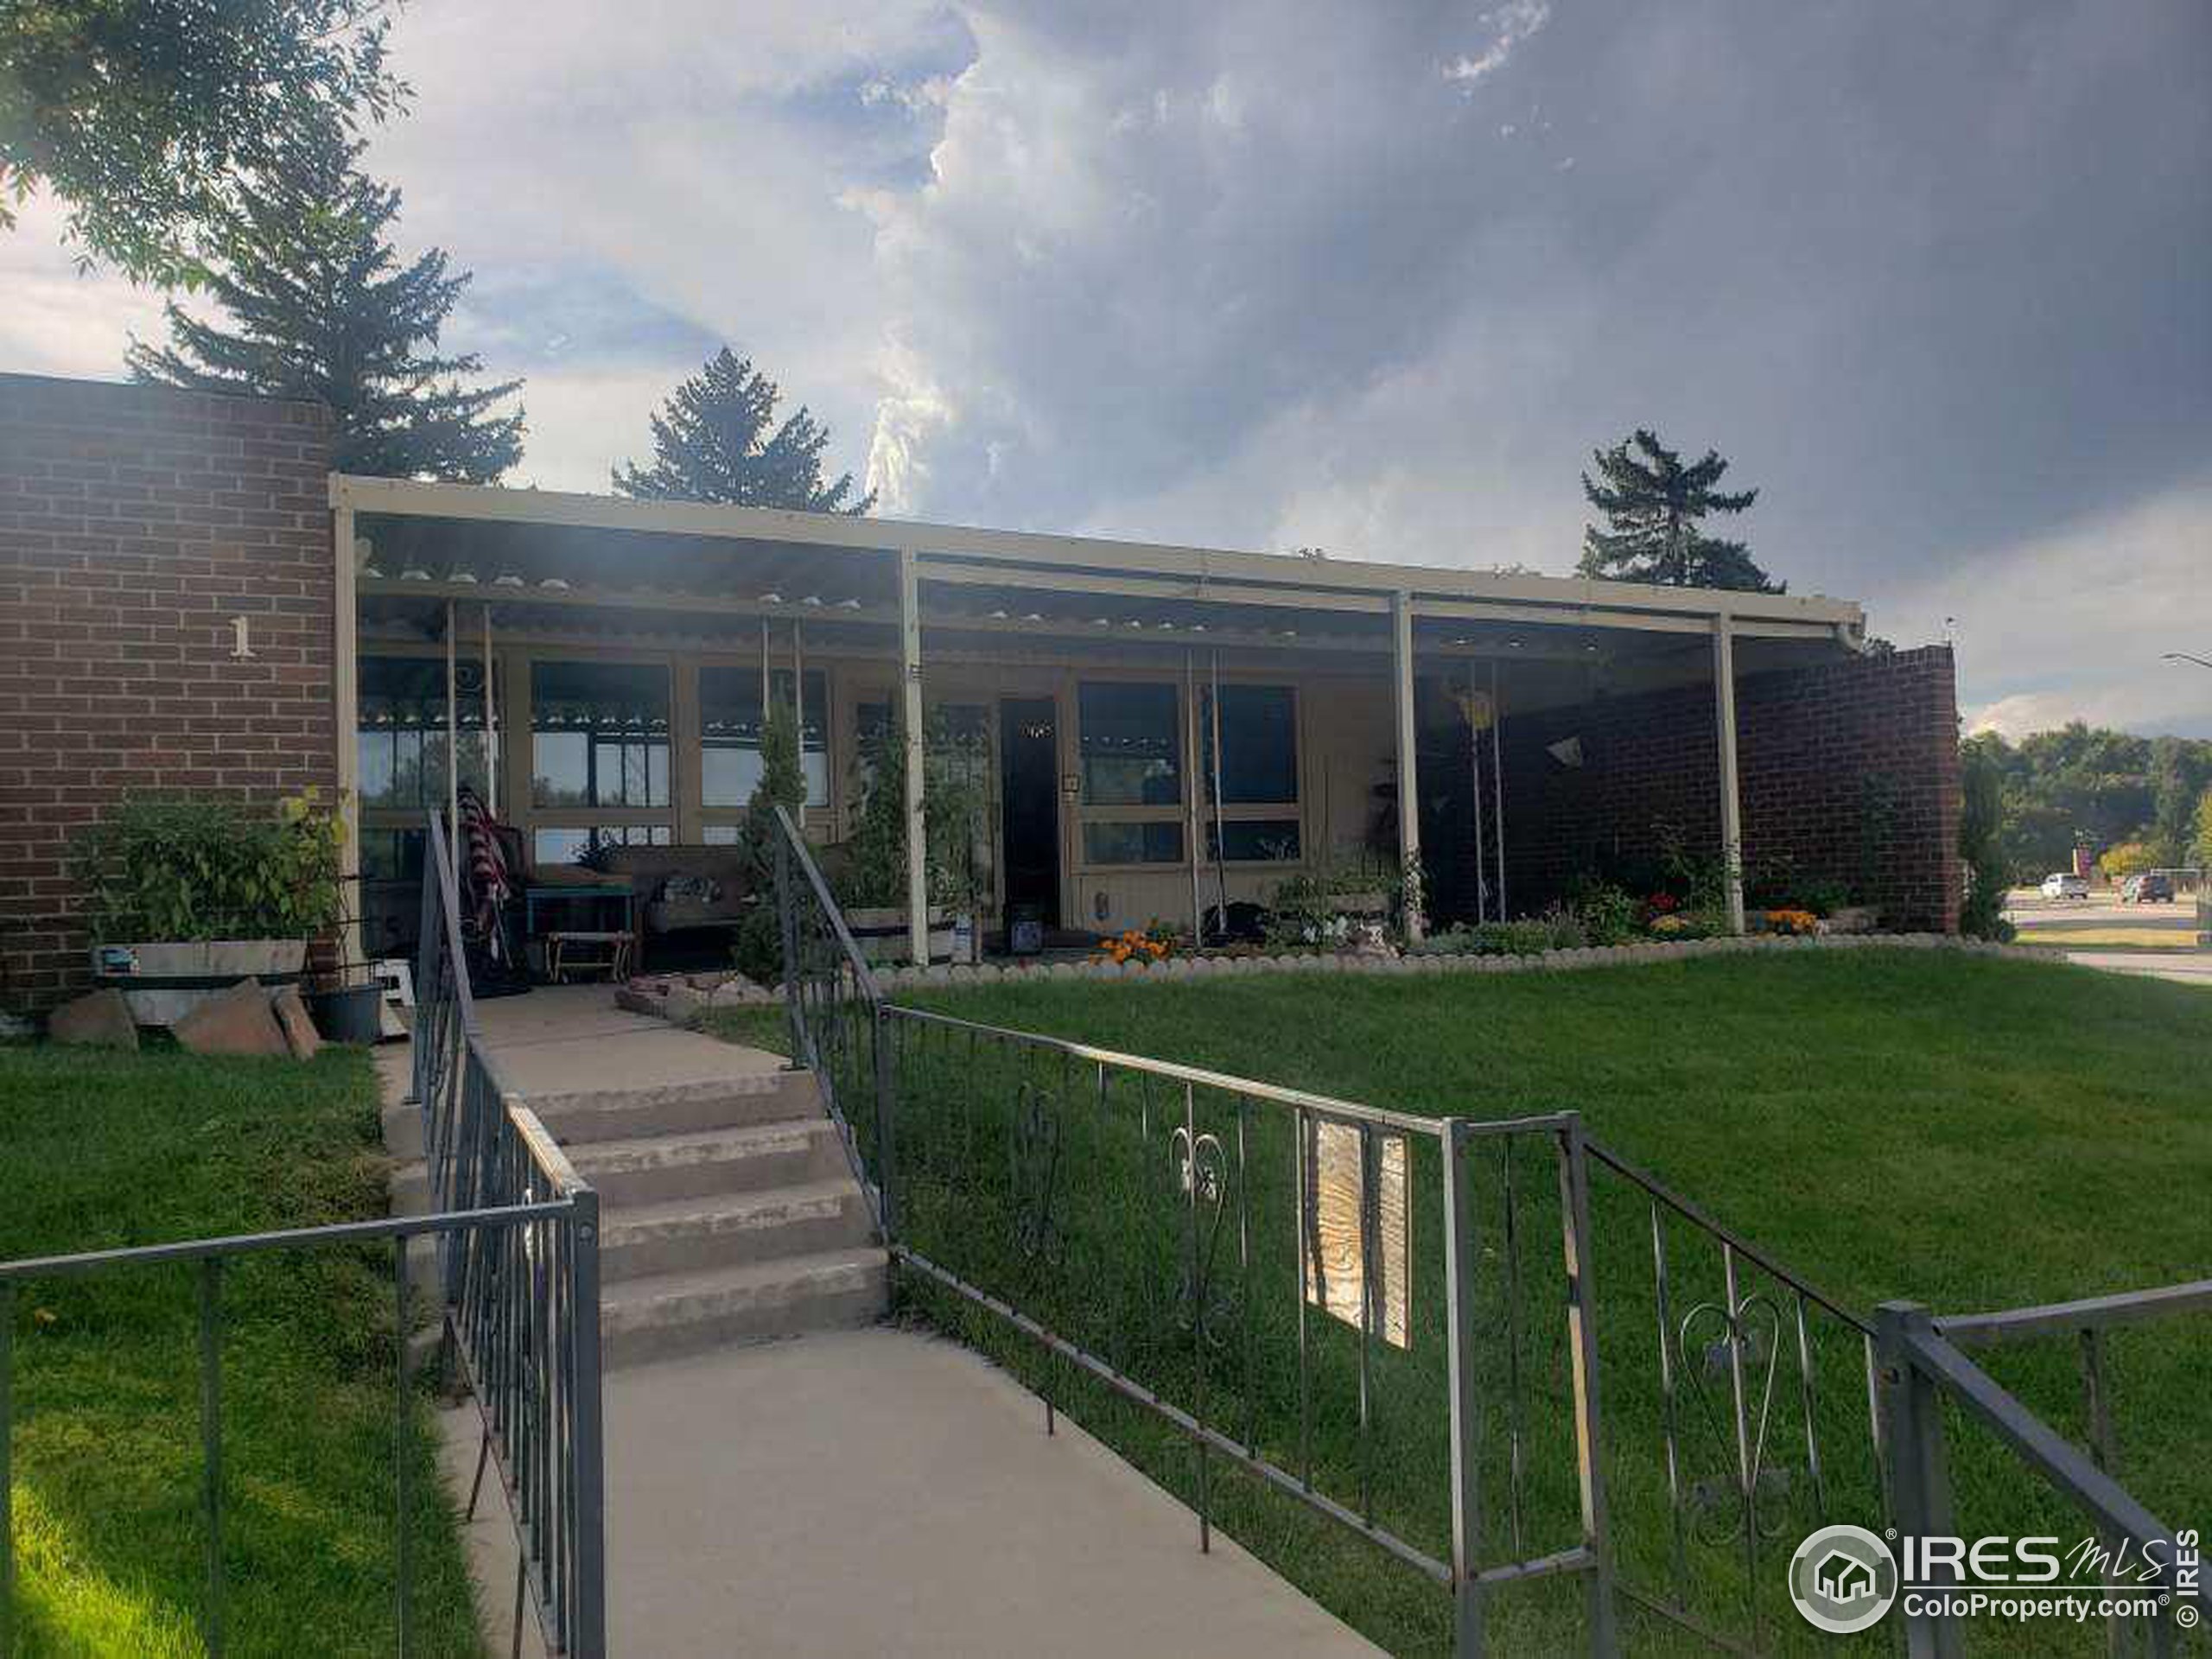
101	1019
300	1034
238	1021
683	1005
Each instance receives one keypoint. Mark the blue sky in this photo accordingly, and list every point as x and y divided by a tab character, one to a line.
1378	278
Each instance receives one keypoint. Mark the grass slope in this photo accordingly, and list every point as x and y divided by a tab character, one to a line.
103	1150
1967	1132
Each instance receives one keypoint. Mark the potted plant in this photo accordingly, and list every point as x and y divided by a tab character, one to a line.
186	897
871	888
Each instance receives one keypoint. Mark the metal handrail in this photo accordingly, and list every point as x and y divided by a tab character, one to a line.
795	843
533	1366
1328	1107
2089	1314
282	1238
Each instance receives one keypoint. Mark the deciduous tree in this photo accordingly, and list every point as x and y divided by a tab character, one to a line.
147	117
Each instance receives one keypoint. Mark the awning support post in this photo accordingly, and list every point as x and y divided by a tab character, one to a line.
910	681
1731	807
452	746
1402	640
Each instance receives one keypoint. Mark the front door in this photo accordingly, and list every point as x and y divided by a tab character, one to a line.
1029	777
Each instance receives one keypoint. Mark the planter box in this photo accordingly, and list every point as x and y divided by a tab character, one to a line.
882	936
165	980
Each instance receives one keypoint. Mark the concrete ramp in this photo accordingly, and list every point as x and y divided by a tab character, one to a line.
881	1491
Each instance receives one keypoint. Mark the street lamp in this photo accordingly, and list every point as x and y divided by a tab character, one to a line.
2184	657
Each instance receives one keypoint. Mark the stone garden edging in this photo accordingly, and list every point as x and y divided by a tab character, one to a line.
681	1000
1176	970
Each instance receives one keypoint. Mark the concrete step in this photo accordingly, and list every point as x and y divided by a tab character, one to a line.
736	1102
733	1229
652	1168
666	1314
402	1131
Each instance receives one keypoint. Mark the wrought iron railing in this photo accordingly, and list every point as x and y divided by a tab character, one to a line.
521	1306
1661	1409
516	1232
2142	1561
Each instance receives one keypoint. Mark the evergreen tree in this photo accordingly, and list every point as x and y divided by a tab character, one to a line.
712	443
1652	504
323	309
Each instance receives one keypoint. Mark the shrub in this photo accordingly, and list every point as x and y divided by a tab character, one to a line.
188	870
1981	814
757	947
1606	913
2128	858
1557	929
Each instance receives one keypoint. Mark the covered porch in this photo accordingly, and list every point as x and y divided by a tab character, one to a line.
1161	731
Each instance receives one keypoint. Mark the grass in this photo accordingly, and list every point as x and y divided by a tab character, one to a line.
1968	1132
103	1150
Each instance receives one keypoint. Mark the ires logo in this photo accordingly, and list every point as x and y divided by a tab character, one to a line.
1936	1560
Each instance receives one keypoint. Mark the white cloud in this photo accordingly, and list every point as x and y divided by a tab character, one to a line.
2073	625
1511	24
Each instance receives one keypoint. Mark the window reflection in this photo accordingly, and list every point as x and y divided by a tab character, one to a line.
729	733
599	735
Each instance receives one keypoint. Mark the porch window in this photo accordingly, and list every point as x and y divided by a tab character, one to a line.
1129	747
400	731
599	735
729	733
1258	805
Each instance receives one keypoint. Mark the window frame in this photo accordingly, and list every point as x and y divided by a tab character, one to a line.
706	813
1253	811
1085	813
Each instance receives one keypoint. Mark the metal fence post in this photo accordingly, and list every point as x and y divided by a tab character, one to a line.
1582	1346
885	1103
1466	1465
588	1446
426	939
787	923
1913	1453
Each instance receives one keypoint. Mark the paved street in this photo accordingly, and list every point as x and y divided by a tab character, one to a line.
2158	940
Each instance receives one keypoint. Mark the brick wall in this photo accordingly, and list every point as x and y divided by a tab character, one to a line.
135	523
1848	771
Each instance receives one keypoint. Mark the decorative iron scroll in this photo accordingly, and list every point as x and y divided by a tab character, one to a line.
1713	1341
1200	1168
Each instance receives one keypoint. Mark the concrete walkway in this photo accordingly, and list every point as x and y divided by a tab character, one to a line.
862	1492
570	1040
2183	968
877	1492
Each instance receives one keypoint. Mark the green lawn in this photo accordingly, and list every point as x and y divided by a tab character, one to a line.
1968	1132
102	1150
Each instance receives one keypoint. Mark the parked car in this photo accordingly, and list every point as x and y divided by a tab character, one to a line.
2148	888
2060	885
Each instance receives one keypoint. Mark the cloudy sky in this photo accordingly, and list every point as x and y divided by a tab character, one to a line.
1376	278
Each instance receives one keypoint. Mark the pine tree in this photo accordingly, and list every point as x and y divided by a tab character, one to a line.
1652	504
712	443
323	309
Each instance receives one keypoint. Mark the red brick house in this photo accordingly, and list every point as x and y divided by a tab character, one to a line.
1166	726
